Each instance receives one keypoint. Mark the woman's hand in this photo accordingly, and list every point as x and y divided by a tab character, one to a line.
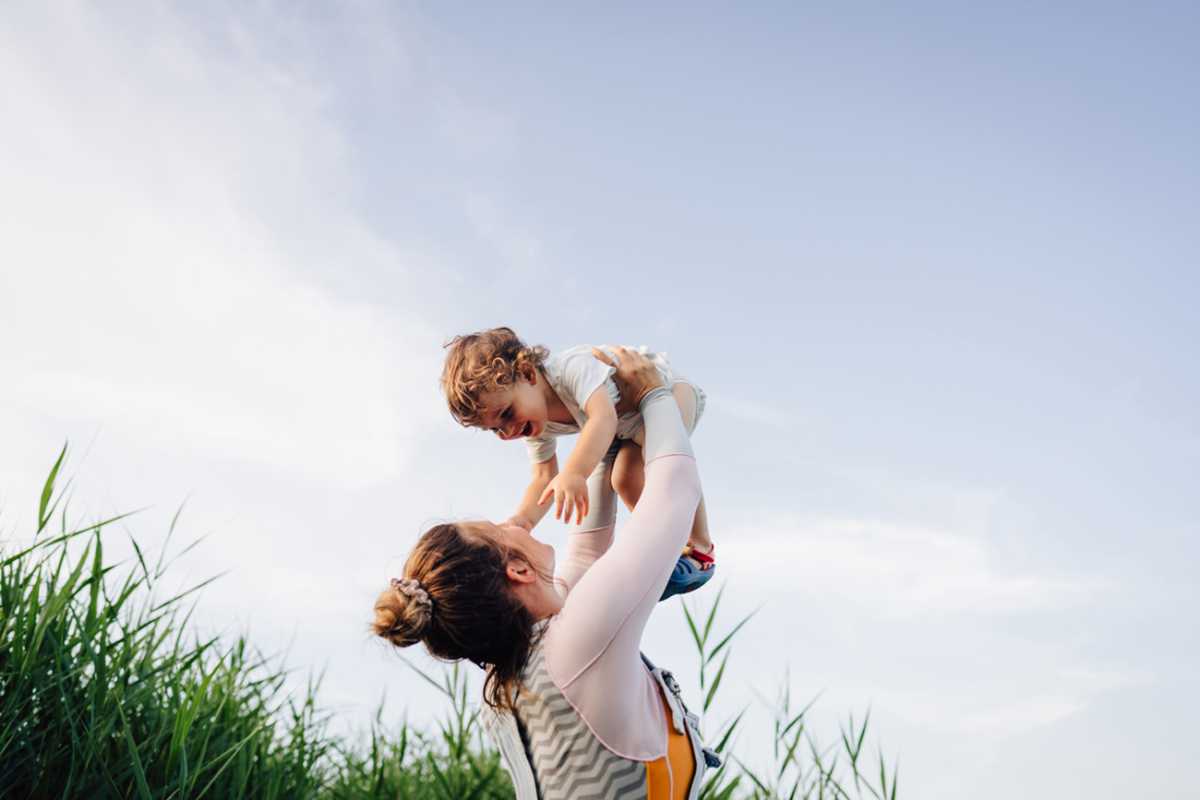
635	376
520	521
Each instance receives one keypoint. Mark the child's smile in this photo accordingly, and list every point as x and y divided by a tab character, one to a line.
515	412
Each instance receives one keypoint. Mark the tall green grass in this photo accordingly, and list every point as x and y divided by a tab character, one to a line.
106	692
800	767
454	762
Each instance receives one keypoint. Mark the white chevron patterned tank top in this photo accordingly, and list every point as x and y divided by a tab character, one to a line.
568	761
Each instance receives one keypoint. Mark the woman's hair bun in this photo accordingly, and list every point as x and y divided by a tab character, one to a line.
456	599
403	612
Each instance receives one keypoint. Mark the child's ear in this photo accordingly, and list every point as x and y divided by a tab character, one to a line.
529	373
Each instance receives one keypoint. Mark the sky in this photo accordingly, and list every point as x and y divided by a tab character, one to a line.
934	265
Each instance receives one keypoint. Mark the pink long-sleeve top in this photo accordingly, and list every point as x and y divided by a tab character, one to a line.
592	646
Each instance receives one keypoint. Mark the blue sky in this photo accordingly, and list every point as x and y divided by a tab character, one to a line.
935	266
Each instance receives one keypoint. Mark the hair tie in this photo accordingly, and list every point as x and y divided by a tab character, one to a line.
412	589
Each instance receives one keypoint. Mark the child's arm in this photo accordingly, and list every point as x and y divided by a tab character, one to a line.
529	513
569	488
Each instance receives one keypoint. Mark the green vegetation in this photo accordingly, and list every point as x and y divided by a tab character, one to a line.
801	768
105	692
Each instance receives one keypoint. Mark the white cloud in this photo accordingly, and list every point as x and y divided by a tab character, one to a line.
1068	691
758	413
169	211
893	569
178	208
1025	714
161	214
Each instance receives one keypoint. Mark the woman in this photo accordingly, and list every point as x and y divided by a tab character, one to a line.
575	709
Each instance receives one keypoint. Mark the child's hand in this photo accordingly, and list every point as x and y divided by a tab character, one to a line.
569	492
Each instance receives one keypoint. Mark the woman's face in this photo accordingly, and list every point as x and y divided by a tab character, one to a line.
520	542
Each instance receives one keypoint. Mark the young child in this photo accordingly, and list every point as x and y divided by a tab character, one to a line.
496	382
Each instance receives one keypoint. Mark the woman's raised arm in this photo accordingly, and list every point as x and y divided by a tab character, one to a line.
593	647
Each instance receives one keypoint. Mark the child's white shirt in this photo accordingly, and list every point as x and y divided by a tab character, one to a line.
574	374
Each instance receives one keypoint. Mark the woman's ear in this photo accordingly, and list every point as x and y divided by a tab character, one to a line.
519	571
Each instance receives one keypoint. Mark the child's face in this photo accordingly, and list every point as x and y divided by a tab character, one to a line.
516	411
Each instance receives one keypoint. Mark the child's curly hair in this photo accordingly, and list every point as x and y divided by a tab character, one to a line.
482	362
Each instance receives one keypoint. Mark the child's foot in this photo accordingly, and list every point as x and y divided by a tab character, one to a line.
693	569
703	557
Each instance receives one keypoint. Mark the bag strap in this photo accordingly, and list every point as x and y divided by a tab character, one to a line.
684	721
502	728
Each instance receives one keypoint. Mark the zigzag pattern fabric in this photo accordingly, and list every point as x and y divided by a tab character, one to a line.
569	762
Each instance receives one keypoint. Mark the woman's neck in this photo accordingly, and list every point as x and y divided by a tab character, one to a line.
540	599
